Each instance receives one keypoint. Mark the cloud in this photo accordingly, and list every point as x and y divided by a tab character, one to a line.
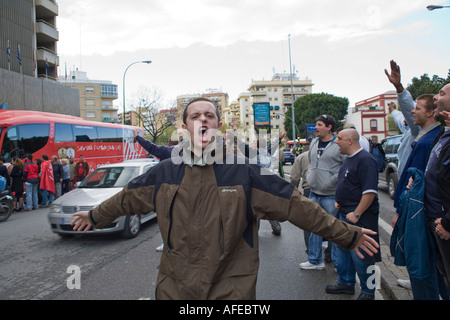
107	26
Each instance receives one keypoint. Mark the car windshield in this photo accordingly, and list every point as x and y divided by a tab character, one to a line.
115	177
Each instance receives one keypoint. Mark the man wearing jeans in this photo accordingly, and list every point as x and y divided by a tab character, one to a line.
31	178
324	163
357	202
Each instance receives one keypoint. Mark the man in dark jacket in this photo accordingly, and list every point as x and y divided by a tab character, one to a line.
437	181
58	176
81	170
207	213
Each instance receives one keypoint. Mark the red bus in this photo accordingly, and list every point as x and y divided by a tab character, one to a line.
23	132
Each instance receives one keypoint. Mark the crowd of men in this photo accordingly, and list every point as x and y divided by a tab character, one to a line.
420	240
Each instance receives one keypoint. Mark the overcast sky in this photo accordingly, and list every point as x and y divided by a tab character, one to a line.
342	46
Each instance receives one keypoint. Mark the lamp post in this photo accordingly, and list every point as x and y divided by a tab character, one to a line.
123	85
292	92
431	8
124	142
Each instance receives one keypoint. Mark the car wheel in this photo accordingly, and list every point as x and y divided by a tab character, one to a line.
132	226
392	184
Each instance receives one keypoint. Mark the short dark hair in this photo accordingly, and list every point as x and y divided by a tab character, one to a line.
328	120
196	100
45	157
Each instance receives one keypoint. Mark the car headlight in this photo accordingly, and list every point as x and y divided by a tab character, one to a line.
55	208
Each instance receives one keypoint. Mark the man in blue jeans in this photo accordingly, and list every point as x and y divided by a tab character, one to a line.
357	202
324	163
31	178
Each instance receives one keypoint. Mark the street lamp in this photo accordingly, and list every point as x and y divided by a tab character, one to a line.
123	85
431	8
292	92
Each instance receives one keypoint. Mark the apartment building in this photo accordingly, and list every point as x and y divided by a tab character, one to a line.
29	58
96	97
28	28
219	98
278	92
231	114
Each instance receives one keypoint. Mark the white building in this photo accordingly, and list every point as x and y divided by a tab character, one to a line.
278	92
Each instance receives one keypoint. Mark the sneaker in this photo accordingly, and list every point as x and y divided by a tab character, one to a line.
340	288
160	248
310	266
404	283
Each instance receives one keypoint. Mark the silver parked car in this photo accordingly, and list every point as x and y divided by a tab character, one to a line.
99	186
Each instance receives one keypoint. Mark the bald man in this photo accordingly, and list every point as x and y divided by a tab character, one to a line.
357	203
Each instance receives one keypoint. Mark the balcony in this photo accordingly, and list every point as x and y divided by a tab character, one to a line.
43	54
303	91
110	108
370	108
258	93
46	8
45	32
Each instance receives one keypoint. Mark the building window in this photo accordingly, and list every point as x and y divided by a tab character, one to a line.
373	125
90	114
109	90
89	102
89	90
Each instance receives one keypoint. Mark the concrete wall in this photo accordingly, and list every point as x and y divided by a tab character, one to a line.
23	92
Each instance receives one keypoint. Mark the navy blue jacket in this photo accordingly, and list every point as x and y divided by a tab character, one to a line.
417	159
411	241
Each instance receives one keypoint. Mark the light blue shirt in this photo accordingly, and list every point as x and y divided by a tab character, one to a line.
406	104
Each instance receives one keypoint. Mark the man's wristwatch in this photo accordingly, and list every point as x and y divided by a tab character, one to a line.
356	215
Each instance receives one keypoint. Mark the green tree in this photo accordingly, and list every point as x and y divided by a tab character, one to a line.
427	85
309	107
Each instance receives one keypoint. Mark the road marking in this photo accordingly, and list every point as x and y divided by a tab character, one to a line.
386	226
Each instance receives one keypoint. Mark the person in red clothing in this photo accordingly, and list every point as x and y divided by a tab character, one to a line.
31	178
47	182
81	170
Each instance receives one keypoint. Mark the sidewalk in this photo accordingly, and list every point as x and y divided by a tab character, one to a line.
389	273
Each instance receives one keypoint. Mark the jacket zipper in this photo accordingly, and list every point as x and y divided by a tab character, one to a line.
169	246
